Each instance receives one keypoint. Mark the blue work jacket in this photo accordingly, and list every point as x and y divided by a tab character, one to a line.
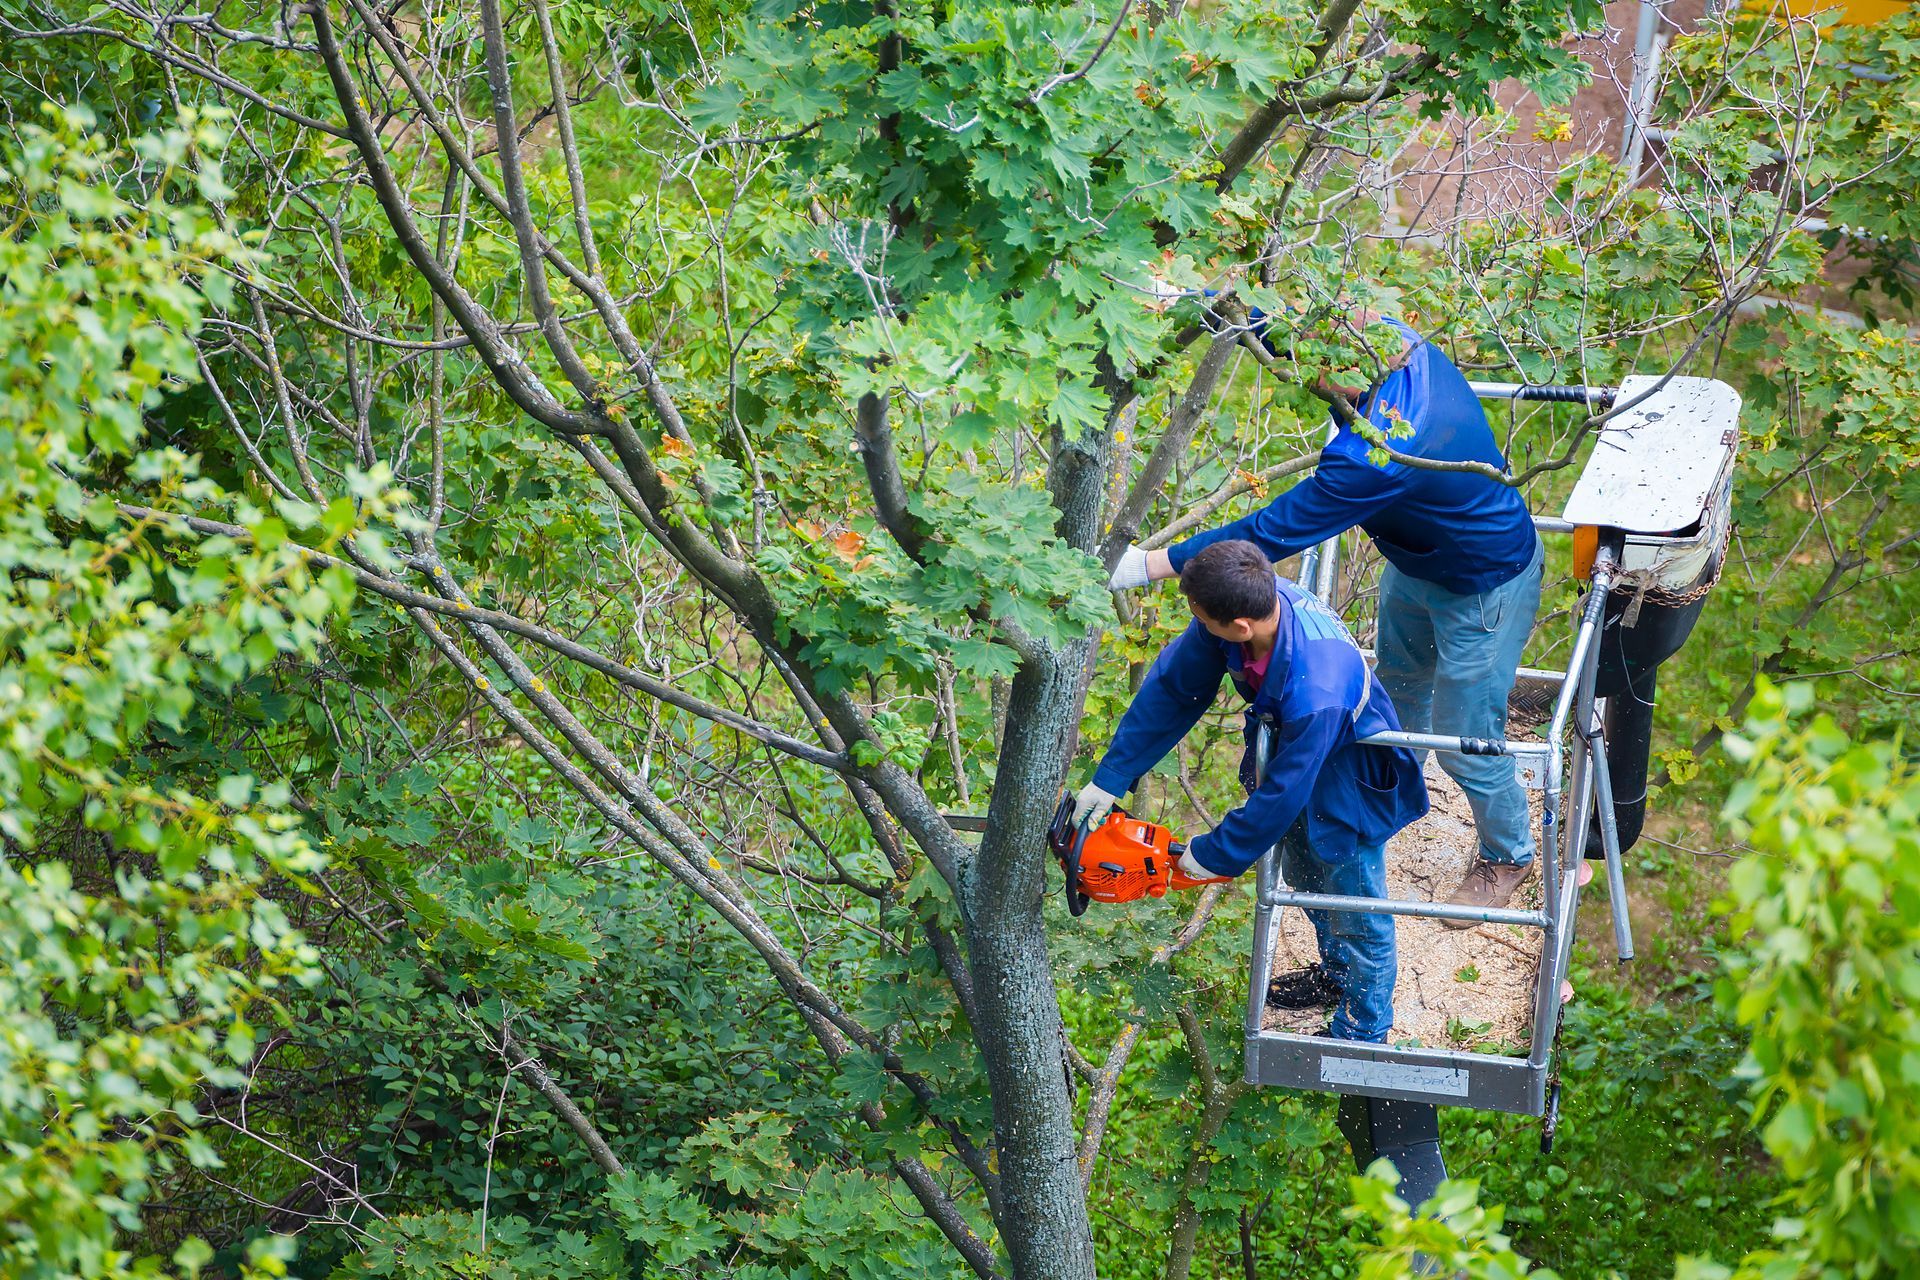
1320	698
1467	533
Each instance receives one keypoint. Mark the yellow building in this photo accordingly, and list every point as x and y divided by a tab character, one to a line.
1857	13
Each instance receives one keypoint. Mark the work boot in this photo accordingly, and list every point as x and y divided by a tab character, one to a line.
1488	884
1308	988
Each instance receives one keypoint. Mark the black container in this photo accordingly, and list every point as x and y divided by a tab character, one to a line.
1627	677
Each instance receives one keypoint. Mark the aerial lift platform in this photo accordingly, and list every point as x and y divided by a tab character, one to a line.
1650	519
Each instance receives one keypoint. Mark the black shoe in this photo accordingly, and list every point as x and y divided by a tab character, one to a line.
1308	988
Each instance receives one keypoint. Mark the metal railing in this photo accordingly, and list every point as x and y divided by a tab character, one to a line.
1572	768
1576	693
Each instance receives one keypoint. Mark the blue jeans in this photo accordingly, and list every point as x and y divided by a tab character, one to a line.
1447	661
1356	948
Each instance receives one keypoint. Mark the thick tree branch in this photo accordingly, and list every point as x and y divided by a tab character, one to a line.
520	209
569	149
1266	119
874	437
639	681
945	1214
503	361
561	1101
1173	442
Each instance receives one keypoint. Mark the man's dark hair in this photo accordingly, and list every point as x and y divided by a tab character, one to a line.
1230	580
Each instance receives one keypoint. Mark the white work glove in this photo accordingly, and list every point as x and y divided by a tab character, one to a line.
1194	871
1131	573
1091	806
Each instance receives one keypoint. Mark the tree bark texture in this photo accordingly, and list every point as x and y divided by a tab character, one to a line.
1043	1220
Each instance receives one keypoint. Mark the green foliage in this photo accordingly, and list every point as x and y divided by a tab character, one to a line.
1860	140
1451	1235
951	219
1476	48
669	1053
468	1246
139	960
1827	980
874	610
1852	382
827	1222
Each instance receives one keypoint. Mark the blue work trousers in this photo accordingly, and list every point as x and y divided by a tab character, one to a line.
1448	663
1356	947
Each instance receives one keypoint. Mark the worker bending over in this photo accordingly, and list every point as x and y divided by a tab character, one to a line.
1458	595
1328	802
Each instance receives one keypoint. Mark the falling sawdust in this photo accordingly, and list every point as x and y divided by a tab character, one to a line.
1458	989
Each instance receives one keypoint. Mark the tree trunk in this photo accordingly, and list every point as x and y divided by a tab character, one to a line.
1043	1217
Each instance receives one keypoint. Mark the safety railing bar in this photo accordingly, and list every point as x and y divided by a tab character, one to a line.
1589	630
1546	985
1547	1019
1610	847
1453	745
1264	923
1326	569
1405	907
1563	892
1546	675
1309	566
1585	667
1552	393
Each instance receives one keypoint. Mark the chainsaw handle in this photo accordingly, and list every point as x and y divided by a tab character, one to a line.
1076	900
1067	840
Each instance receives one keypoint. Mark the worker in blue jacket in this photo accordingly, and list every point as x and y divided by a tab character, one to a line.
1459	591
1329	803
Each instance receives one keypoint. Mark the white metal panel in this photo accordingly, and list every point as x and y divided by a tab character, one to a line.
1448	1082
1655	466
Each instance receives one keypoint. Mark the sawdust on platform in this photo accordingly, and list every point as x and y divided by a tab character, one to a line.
1458	989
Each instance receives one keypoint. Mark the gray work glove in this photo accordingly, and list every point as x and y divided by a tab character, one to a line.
1131	573
1091	806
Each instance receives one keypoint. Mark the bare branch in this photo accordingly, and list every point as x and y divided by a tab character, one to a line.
561	1101
1173	442
410	598
1068	77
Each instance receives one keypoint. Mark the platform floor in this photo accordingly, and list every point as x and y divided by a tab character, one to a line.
1468	989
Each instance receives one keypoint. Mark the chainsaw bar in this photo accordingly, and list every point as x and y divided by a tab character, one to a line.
1064	841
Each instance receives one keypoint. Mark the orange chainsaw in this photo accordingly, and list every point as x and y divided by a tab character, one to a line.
1122	860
